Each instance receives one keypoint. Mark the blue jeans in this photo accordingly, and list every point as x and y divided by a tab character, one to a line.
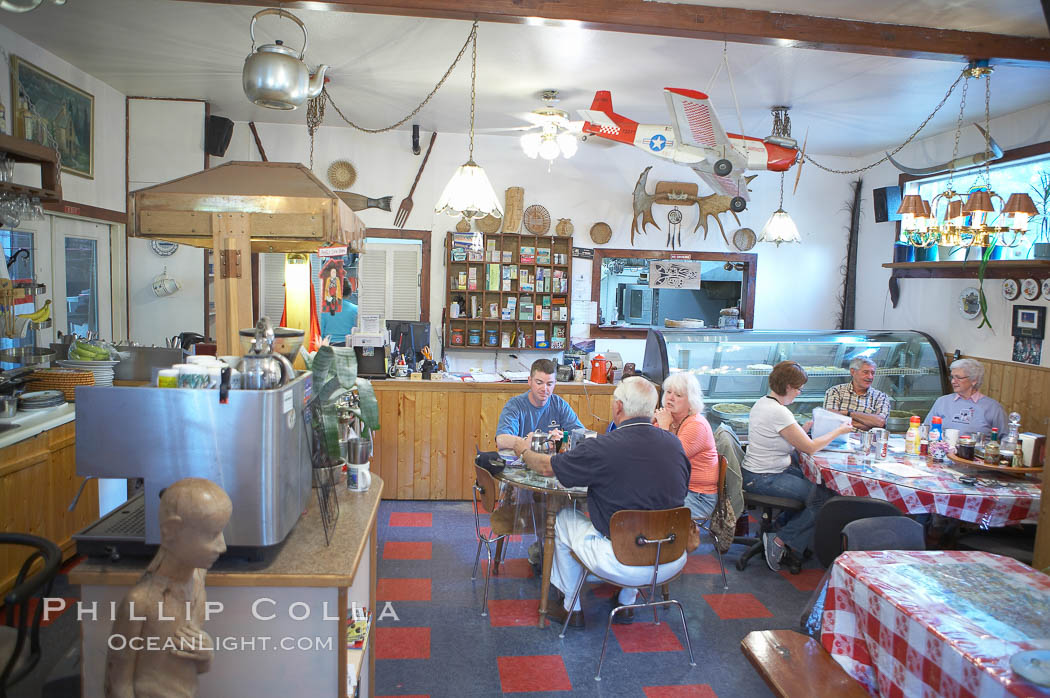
700	505
797	533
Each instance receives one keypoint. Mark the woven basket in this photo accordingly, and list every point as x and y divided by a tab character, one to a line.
341	174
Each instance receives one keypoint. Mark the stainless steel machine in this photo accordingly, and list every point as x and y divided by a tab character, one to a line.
256	447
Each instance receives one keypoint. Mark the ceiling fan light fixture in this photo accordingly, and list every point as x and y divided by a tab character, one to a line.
568	144
530	144
549	149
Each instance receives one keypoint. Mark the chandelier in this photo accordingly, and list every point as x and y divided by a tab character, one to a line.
556	136
952	220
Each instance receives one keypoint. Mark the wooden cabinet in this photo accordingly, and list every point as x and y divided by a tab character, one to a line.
21	150
513	293
38	480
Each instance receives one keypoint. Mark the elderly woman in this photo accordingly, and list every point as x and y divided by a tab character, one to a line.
967	409
682	403
773	434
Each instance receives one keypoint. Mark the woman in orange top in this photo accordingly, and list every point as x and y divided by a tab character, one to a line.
683	402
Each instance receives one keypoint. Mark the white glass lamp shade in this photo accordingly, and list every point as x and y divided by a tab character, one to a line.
567	143
530	143
549	149
779	228
469	194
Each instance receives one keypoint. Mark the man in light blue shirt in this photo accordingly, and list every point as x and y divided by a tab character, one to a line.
535	410
338	325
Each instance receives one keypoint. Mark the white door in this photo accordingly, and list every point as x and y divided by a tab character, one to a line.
80	283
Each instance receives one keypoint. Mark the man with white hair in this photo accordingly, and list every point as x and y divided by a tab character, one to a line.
868	407
966	408
636	466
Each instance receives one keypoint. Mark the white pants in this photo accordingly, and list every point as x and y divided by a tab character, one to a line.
574	532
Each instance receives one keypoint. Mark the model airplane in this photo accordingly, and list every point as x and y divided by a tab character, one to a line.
694	138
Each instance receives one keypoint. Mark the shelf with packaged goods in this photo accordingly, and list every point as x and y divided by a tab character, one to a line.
485	307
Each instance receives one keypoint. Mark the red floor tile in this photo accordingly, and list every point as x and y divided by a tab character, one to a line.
408	518
399	550
644	636
402	643
514	568
487	532
521	613
403	589
702	564
731	606
806	580
696	690
535	673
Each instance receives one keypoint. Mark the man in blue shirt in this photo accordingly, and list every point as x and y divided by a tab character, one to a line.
535	410
338	325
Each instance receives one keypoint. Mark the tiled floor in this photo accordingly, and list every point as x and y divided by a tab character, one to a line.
441	645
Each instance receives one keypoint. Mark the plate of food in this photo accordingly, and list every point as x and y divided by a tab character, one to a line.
732	411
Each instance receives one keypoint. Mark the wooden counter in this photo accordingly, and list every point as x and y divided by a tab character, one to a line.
304	576
429	429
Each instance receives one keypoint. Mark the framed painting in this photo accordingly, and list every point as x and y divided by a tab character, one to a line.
45	103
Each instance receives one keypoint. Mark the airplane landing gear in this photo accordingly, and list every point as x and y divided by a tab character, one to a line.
722	167
737	204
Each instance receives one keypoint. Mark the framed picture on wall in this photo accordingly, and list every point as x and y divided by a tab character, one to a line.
1029	321
43	105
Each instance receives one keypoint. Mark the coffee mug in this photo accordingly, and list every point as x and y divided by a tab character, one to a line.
358	478
164	285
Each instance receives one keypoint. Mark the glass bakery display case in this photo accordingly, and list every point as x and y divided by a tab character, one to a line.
733	367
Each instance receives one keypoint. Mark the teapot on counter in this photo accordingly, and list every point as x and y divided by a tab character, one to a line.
262	368
274	76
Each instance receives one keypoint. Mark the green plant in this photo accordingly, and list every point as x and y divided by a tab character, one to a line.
335	382
1042	197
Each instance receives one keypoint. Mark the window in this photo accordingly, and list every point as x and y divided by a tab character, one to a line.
390	279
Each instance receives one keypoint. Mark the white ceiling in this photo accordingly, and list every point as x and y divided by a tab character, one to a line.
383	66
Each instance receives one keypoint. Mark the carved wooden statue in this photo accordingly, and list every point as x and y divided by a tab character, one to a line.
160	621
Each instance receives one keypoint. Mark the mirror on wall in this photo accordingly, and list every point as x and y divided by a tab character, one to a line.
634	294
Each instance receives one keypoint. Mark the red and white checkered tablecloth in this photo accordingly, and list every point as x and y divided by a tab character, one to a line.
1015	500
935	623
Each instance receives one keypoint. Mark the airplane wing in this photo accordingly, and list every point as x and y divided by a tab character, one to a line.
733	185
694	120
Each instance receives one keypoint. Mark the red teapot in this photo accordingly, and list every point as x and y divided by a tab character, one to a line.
601	369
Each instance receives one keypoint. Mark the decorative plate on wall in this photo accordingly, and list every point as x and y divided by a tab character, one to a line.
601	233
744	239
537	220
163	248
1011	289
970	302
1046	289
1030	289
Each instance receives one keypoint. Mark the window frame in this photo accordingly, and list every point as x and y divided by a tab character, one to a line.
424	279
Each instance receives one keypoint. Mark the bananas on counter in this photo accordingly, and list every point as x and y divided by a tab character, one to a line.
85	351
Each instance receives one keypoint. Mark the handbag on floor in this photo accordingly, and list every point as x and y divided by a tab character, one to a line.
723	524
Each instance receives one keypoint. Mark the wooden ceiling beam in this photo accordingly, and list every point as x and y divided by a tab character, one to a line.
712	23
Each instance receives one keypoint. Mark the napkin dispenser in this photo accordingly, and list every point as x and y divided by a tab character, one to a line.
1033	449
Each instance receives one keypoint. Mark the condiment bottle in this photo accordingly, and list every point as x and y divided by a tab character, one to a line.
991	449
911	438
936	432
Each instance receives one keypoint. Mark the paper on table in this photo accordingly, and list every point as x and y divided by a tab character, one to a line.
899	469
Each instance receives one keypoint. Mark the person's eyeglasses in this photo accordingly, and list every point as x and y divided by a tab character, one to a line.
959	378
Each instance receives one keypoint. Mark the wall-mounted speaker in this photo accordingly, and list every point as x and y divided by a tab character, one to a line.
217	133
887	200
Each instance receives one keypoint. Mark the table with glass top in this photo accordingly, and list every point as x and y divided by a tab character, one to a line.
555	496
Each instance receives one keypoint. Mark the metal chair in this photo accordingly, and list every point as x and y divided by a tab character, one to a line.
20	637
704	524
500	525
835	514
643	539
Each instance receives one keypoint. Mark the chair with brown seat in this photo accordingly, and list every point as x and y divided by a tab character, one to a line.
503	522
704	524
20	637
644	539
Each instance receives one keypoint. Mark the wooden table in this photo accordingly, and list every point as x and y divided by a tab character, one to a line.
935	623
555	497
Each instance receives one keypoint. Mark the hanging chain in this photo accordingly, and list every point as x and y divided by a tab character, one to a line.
987	131
901	146
958	132
473	79
471	38
781	206
314	119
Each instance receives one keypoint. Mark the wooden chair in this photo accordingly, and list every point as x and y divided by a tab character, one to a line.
796	666
704	524
20	637
644	539
503	522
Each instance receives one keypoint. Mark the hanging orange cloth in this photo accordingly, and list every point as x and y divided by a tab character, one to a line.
313	333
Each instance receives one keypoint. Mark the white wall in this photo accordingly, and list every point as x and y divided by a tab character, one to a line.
932	305
165	141
106	190
595	185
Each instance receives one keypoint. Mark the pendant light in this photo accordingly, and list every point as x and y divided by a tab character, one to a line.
469	193
780	228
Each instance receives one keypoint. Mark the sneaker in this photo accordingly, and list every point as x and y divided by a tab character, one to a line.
774	551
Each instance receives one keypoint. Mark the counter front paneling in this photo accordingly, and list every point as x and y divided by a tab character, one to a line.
429	430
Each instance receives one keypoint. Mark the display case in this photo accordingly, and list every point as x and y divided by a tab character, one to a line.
733	367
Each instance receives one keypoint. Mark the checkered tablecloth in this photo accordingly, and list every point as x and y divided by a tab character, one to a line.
935	623
1014	500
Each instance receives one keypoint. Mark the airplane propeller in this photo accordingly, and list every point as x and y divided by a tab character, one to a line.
801	161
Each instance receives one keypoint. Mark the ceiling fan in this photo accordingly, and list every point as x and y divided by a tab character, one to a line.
550	133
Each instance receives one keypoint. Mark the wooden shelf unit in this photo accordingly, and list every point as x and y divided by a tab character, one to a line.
21	150
556	278
996	269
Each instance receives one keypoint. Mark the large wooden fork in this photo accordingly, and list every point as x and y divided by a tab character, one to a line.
406	204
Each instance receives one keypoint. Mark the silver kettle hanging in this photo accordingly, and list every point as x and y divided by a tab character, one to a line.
275	76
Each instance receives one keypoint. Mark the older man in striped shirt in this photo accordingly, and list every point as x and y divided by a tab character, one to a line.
868	407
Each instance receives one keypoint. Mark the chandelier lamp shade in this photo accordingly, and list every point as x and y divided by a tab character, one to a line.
780	228
549	144
469	194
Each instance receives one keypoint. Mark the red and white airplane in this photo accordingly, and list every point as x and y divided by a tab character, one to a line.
694	138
